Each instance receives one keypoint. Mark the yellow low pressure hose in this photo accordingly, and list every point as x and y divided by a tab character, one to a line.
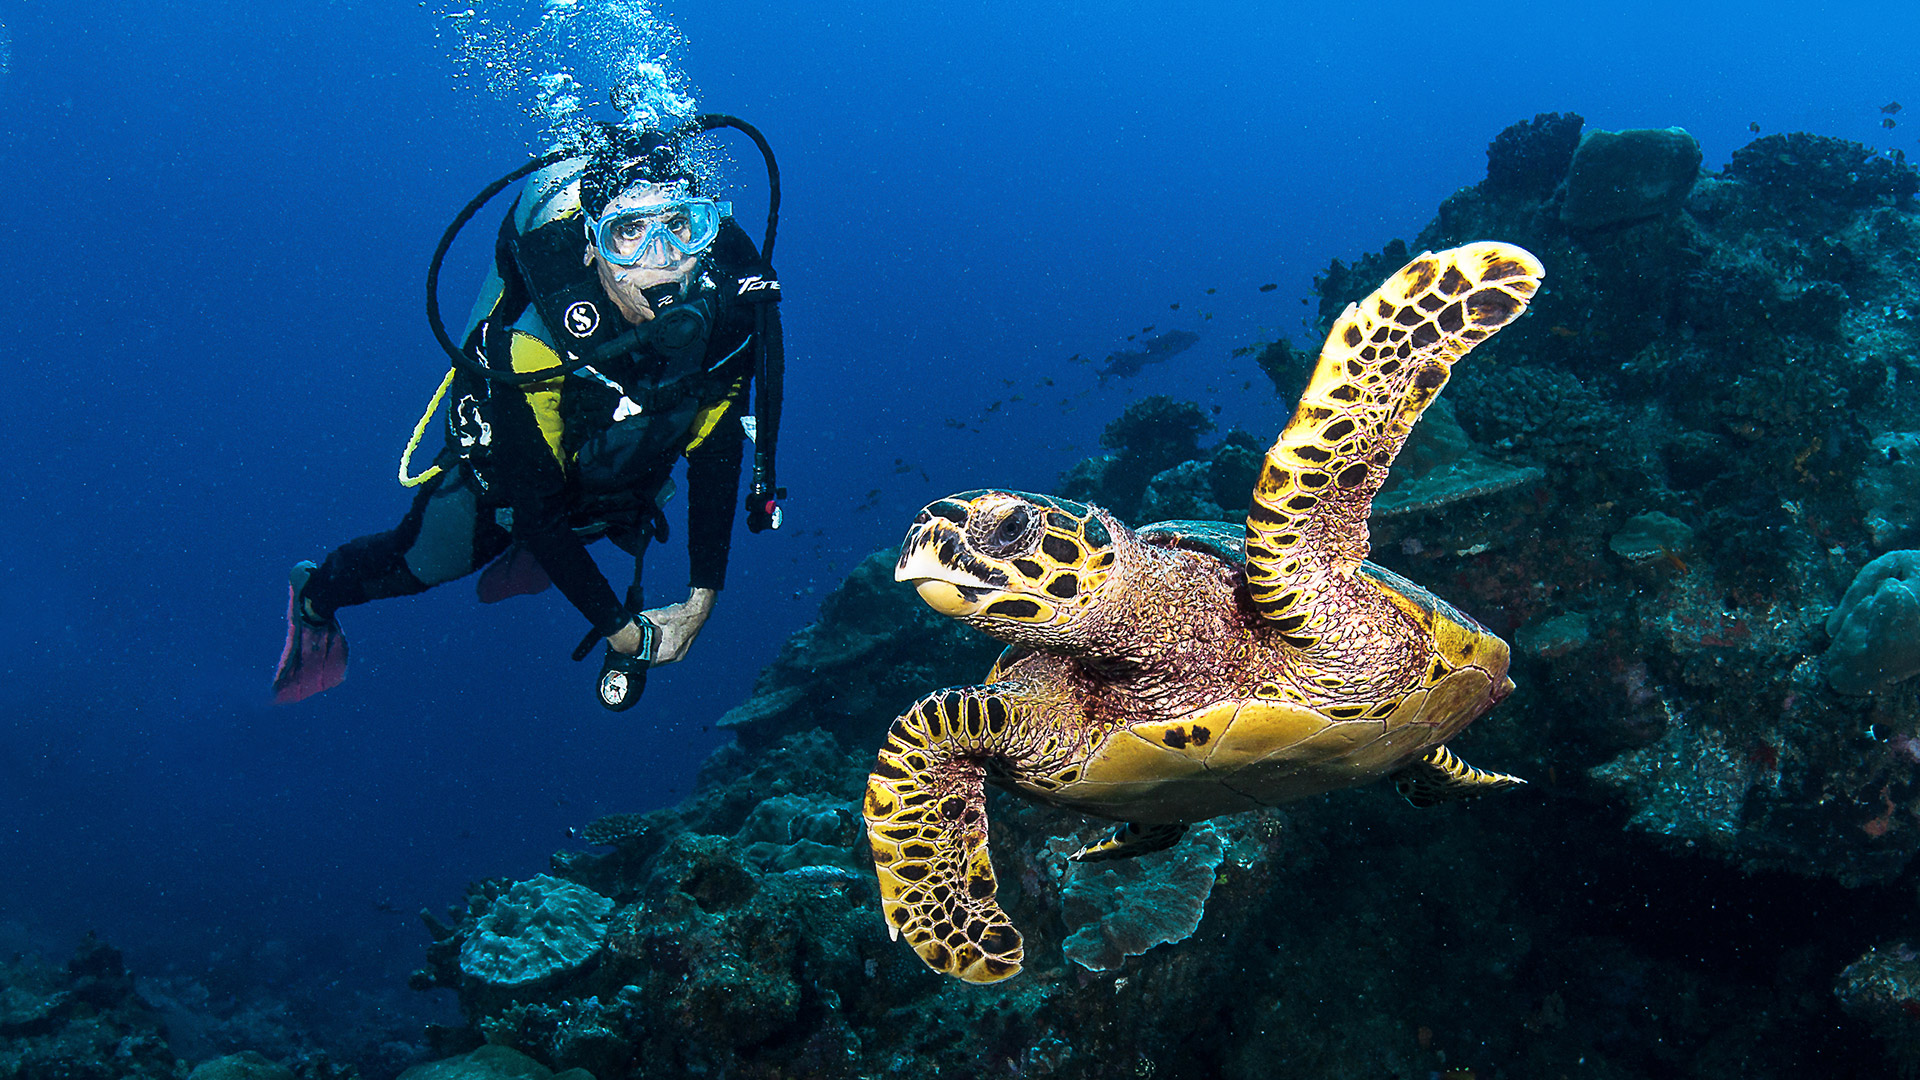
419	432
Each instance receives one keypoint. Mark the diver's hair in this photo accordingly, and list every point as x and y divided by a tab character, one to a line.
620	157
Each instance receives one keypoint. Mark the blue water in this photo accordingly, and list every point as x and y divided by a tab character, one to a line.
211	252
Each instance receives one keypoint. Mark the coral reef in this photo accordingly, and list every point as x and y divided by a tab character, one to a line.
91	1018
1658	485
1154	434
1889	489
1529	159
874	649
80	1023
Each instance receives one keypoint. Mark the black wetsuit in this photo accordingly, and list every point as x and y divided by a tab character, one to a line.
502	483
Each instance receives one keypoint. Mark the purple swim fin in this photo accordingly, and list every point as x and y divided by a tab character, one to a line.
313	659
517	573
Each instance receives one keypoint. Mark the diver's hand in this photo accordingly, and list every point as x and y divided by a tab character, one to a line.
626	639
679	624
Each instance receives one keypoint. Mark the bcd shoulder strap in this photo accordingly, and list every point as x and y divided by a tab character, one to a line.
550	261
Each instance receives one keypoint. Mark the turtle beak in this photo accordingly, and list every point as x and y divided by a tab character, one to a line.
924	561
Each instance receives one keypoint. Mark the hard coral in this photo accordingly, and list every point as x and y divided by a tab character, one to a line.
1876	627
1153	435
1125	908
535	930
1529	158
1621	177
1817	170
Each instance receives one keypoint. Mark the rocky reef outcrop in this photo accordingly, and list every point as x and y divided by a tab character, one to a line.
80	1022
1659	485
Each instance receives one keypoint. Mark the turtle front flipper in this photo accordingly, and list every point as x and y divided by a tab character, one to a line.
1130	840
1440	776
926	815
1383	363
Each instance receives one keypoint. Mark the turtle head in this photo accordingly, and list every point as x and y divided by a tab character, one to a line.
1024	568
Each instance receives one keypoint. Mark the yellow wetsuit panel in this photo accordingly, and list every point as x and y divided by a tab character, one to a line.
705	421
709	418
532	354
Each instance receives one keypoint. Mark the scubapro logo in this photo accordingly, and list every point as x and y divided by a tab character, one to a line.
613	687
582	319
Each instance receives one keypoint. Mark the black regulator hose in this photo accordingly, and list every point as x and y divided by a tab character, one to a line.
473	365
711	121
460	358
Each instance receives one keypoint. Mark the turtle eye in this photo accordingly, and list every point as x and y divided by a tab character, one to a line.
1008	537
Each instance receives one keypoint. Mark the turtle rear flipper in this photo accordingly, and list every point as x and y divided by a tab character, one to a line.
1441	776
1130	840
926	813
1383	363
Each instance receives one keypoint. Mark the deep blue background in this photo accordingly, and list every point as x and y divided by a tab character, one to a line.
216	221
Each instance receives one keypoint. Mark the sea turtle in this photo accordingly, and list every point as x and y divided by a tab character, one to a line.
1193	669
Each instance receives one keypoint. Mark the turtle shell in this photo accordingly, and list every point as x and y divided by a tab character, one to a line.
1224	540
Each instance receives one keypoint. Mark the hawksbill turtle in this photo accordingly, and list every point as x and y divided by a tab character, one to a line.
1192	669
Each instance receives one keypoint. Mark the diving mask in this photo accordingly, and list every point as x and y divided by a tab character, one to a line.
658	236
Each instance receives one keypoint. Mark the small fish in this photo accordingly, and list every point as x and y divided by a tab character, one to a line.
901	467
1243	350
1159	347
1210	292
1147	329
1890	108
1270	286
955	424
1562	331
820	874
1173	307
1888	123
995	407
1754	126
1076	358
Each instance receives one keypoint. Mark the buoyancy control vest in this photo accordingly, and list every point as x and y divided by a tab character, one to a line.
636	397
582	328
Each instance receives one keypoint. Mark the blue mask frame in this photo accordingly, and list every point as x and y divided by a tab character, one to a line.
659	246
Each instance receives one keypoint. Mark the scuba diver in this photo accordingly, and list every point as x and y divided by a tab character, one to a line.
624	319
